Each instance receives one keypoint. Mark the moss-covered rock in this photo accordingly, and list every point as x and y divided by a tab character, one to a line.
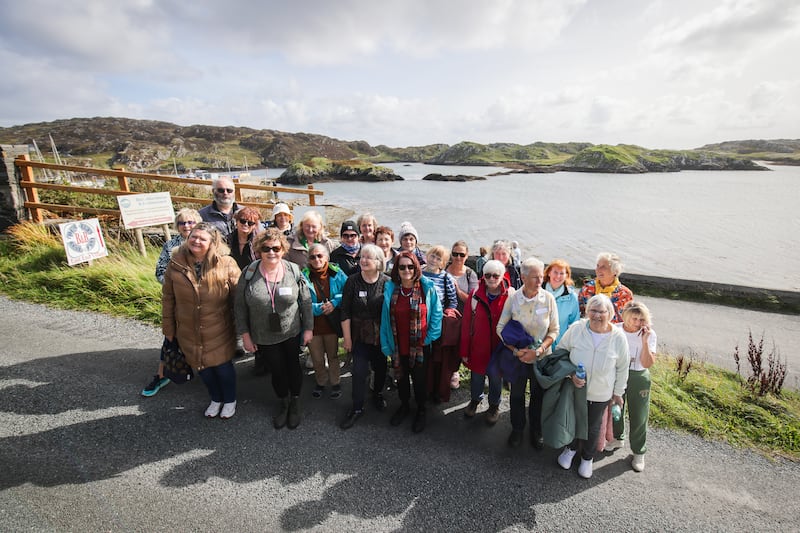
324	169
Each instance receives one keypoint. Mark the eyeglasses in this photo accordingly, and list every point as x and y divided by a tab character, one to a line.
316	256
458	254
222	190
273	249
598	311
186	223
349	235
405	267
248	222
492	276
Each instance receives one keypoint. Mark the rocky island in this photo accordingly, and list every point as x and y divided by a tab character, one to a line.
457	177
323	169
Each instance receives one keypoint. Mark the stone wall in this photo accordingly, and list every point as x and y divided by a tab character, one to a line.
12	197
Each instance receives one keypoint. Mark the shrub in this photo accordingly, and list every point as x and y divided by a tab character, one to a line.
762	380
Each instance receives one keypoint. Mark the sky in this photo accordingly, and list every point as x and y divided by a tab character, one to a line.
661	74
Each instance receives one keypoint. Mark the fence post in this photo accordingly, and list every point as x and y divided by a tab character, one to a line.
312	198
12	197
124	185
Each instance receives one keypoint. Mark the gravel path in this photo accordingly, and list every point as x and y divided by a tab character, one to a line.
80	450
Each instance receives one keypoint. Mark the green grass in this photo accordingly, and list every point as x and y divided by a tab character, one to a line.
708	401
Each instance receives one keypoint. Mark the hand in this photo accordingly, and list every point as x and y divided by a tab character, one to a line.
248	344
307	336
450	313
347	345
645	333
526	355
617	400
579	383
327	308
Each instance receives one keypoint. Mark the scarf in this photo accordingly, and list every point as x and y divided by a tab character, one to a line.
417	335
351	249
608	291
321	285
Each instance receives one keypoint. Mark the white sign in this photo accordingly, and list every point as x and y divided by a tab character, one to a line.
149	209
83	240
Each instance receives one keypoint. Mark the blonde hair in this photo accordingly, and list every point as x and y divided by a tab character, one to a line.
635	308
187	213
441	251
209	268
316	217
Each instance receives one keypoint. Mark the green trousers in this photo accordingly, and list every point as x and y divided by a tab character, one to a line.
637	401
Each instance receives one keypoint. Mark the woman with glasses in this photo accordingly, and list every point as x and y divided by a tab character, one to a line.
273	316
479	336
241	240
445	360
603	351
410	321
185	220
466	281
501	250
310	229
367	225
607	269
362	300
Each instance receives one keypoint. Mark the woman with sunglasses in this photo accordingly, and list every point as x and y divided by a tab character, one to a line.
241	241
466	281
479	336
410	321
185	220
273	316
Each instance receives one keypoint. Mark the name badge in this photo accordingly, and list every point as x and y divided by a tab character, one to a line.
284	291
362	294
542	311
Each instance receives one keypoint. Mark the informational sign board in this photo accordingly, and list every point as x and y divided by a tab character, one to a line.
83	240
148	209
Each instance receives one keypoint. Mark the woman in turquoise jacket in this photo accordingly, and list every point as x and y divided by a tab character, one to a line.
325	282
410	321
558	282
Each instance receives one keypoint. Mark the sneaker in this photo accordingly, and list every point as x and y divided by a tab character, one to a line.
614	444
350	418
638	462
469	412
213	409
309	361
515	439
566	457
228	410
318	390
492	414
537	441
455	380
336	392
585	468
154	386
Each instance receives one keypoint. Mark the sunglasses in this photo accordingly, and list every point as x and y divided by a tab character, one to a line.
248	222
316	256
186	223
349	235
492	276
223	191
405	267
273	249
458	254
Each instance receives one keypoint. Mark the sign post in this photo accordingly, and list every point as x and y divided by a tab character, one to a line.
83	241
142	210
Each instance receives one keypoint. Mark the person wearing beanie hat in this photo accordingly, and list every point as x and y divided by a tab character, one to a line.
408	241
347	255
282	219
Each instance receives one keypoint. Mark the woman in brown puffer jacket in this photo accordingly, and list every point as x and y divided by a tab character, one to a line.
197	308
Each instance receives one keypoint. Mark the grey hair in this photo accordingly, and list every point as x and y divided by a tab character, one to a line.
215	181
493	266
529	264
501	245
319	246
603	301
372	251
613	260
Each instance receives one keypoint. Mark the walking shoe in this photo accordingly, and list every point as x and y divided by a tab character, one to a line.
279	420
350	418
213	409
336	392
379	402
585	468
515	439
309	361
419	421
455	380
537	441
492	414
469	411
154	386
638	462
566	457
293	418
228	410
318	390
399	415
614	444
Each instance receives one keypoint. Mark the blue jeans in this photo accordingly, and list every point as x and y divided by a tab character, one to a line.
221	382
476	387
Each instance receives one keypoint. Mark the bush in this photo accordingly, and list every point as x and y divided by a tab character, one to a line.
762	380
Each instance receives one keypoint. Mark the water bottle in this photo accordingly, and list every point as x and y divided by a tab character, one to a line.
616	412
580	372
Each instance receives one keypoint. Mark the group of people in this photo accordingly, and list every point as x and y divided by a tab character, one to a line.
277	287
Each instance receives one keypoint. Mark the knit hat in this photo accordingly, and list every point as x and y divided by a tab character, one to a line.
281	208
349	225
405	229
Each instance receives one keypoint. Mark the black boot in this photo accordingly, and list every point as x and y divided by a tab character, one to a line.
294	413
279	420
419	421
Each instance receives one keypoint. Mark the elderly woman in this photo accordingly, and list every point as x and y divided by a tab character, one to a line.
367	225
602	349
384	239
241	240
535	309
558	282
608	269
310	230
479	337
325	283
642	342
501	251
282	219
362	301
273	316
185	220
410	321
197	310
409	241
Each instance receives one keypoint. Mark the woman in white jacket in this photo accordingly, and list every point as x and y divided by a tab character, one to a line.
603	351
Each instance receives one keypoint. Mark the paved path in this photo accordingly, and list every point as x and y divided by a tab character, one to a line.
80	450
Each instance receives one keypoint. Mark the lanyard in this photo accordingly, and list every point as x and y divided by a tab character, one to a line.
271	290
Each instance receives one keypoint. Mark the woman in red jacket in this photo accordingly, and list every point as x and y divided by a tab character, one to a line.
478	336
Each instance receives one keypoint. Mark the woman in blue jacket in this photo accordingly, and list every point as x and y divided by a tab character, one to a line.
410	321
325	282
558	282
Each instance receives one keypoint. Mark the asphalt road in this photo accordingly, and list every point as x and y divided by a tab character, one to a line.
80	450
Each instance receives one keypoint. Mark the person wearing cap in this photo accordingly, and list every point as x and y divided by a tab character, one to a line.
408	241
282	219
346	256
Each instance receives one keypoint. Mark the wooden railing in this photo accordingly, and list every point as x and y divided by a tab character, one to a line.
35	206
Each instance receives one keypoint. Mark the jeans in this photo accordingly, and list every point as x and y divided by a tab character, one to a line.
476	382
287	376
220	381
365	355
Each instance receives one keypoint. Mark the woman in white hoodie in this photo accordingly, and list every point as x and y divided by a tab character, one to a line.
603	351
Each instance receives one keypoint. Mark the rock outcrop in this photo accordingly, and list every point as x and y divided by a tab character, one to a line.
323	169
457	177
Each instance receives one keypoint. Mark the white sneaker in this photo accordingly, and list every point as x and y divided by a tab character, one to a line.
614	444
638	462
213	409
585	468
228	410
566	457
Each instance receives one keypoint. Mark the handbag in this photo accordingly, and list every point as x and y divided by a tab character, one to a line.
451	330
175	366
